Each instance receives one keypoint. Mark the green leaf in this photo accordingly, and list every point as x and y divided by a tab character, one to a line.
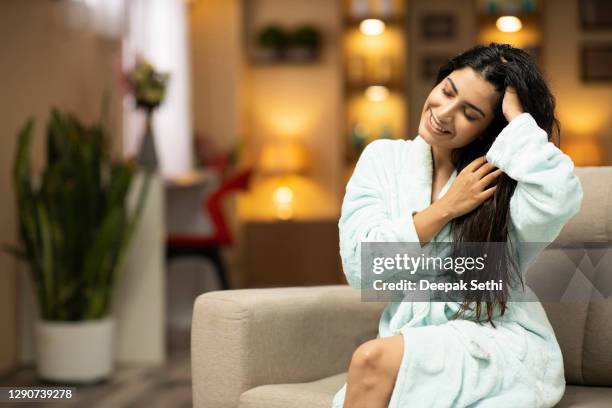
75	226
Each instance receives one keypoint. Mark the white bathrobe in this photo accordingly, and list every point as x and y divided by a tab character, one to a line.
459	363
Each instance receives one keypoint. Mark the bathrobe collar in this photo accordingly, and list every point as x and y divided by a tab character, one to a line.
419	170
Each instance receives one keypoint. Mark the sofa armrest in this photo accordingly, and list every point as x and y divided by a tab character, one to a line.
241	339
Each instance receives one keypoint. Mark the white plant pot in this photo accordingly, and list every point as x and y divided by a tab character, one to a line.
75	352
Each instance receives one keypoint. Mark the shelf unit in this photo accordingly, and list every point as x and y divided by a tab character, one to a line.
374	67
257	57
529	37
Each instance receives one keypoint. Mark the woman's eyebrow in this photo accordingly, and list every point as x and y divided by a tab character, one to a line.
476	108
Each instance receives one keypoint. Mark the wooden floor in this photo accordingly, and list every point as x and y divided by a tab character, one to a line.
129	387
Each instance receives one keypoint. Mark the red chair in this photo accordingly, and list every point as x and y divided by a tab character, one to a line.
210	246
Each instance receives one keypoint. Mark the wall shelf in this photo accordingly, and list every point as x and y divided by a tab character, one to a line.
353	22
285	61
370	60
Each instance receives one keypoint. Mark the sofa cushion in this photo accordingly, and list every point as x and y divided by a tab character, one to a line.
568	321
586	397
319	394
597	355
594	221
581	326
315	394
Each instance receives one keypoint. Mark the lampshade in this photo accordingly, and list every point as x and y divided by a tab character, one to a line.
283	157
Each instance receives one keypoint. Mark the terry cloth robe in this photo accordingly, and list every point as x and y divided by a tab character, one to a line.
460	363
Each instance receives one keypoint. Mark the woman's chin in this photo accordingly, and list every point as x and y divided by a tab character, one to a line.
433	139
427	136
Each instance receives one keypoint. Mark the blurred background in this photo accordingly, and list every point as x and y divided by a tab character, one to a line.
250	114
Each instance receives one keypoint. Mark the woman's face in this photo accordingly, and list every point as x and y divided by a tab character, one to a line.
458	110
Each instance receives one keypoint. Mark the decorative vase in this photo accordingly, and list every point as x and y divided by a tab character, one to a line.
75	352
147	156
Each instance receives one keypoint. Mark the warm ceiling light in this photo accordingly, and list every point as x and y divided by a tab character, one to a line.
509	24
376	93
372	26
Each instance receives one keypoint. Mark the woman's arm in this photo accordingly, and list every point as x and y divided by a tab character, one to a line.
364	216
431	220
547	193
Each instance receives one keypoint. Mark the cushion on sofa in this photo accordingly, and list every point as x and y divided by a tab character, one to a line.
594	221
319	394
316	394
583	329
586	397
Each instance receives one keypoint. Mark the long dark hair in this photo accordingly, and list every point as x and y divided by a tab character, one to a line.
501	65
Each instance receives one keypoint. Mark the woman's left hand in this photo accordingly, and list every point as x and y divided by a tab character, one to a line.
511	104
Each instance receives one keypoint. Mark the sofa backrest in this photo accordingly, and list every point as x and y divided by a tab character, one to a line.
584	328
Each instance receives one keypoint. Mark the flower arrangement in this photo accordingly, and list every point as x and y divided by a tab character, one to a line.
147	85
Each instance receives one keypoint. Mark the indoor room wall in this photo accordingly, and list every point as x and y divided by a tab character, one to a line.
583	108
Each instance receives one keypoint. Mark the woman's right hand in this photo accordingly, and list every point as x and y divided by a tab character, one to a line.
469	189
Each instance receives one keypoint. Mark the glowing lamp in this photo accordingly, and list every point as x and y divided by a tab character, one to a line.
376	93
283	202
372	27
282	158
509	24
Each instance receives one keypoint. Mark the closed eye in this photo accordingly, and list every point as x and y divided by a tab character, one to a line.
448	95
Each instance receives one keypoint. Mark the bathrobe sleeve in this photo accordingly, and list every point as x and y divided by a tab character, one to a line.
548	193
365	209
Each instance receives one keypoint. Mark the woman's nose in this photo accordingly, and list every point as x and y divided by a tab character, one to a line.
444	113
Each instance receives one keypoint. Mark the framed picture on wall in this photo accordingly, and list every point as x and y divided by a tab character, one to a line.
596	14
438	26
596	60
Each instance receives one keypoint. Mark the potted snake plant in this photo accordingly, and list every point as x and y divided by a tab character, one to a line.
75	223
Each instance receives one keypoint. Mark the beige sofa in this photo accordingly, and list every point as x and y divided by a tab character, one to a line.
290	347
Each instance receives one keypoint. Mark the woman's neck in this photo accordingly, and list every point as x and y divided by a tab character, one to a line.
442	163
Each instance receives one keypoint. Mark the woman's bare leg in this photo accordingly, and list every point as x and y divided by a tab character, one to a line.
372	373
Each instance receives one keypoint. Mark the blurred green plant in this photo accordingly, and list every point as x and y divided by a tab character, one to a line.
74	222
306	36
273	37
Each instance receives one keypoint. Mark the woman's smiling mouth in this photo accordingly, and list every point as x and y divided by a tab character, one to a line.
433	125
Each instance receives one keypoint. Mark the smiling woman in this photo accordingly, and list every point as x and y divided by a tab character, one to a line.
482	170
461	106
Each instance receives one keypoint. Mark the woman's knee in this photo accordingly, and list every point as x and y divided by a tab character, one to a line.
383	356
364	369
368	356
